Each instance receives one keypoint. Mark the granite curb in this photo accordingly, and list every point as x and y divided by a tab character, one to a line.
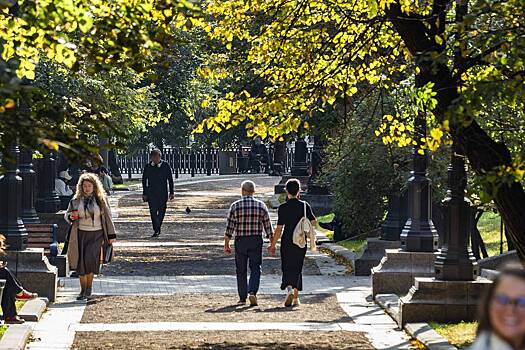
341	252
420	331
15	337
428	336
33	309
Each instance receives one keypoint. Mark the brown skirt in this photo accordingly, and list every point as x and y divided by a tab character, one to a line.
89	245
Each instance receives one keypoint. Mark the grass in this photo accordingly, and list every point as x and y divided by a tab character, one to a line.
19	304
127	183
355	245
3	328
460	334
489	227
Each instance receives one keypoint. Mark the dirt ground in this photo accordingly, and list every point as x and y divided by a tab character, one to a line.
231	340
212	308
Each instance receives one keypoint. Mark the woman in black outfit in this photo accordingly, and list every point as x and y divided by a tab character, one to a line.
292	256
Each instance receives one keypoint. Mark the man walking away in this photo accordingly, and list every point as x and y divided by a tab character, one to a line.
155	180
247	219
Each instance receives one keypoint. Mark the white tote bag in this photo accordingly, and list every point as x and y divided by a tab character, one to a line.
303	229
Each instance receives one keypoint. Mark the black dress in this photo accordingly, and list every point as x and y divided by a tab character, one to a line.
292	257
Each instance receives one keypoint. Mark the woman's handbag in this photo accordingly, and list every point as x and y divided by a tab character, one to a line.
303	229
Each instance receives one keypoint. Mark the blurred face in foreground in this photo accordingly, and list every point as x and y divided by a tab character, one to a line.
507	310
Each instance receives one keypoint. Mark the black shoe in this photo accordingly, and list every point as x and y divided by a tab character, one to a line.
87	293
81	296
155	234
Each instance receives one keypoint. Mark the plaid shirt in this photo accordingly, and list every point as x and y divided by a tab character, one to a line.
248	217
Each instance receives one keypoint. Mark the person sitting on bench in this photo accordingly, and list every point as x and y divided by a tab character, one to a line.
13	290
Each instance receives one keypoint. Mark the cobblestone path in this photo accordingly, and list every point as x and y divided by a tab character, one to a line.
178	291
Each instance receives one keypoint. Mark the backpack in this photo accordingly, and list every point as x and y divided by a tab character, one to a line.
304	229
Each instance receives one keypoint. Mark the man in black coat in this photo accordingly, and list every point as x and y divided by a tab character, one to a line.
155	180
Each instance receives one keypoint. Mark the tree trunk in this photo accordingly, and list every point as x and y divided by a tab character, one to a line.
484	154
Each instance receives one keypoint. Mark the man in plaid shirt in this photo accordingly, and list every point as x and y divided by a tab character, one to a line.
247	220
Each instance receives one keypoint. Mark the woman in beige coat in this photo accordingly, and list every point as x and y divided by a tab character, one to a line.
92	229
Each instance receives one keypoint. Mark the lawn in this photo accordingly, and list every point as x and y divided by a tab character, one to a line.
355	245
489	227
3	328
124	186
460	334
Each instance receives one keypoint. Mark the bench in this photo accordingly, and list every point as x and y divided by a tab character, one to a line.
45	236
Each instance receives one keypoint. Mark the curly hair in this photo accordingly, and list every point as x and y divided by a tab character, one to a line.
3	245
98	189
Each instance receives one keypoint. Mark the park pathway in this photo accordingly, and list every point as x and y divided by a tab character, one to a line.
178	291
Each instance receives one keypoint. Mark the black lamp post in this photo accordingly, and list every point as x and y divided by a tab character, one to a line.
47	199
395	218
314	184
300	161
455	262
11	224
28	175
419	233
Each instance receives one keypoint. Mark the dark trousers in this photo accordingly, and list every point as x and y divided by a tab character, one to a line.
157	210
11	289
248	251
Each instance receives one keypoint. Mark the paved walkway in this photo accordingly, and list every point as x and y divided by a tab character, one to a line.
147	267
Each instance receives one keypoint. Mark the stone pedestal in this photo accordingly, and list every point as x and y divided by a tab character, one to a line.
398	269
280	187
372	255
61	262
34	271
321	204
441	301
58	219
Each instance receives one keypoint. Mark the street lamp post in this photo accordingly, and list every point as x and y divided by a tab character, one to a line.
11	224
455	261
28	175
47	199
419	233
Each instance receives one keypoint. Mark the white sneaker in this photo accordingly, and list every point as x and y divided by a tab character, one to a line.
289	299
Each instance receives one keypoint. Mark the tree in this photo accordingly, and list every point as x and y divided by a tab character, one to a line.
79	36
463	60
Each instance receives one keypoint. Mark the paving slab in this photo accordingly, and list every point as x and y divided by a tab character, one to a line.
15	337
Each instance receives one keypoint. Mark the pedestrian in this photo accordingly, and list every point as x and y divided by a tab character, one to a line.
292	256
156	178
105	179
92	231
502	313
13	291
62	188
247	219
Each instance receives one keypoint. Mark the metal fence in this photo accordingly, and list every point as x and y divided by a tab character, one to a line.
194	161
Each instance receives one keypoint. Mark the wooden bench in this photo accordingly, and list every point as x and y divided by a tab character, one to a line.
43	236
